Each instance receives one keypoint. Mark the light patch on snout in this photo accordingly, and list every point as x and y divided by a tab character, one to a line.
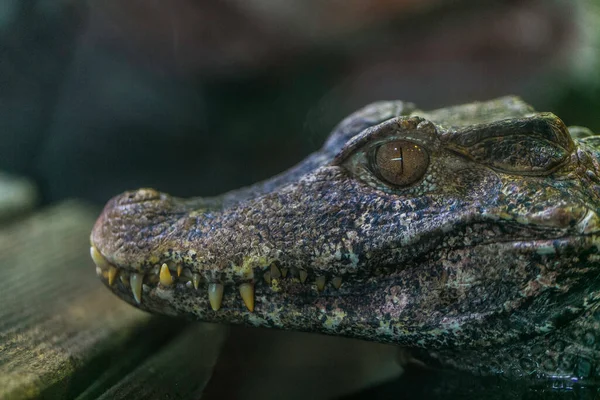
334	319
395	302
590	223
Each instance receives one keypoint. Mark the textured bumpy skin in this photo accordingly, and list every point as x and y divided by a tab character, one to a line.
489	263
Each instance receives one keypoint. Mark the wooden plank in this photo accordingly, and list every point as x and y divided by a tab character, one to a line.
180	370
59	327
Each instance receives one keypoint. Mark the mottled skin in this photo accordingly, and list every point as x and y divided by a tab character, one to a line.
490	263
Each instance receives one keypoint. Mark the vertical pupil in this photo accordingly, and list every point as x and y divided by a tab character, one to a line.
398	159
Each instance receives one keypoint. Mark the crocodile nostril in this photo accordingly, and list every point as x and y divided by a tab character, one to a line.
138	196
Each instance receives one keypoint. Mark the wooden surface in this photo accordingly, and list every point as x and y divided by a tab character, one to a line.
65	336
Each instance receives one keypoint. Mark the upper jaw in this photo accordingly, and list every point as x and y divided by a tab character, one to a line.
146	240
159	263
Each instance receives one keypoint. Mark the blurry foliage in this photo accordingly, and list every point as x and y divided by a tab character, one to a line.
577	99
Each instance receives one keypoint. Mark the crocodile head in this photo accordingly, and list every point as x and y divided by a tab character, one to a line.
461	230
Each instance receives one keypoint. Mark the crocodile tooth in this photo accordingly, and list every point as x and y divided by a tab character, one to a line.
303	276
196	280
275	273
98	258
124	279
284	272
215	295
98	271
112	274
267	277
179	269
247	292
165	276
136	286
444	278
320	281
337	282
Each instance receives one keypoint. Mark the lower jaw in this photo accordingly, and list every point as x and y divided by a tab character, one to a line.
285	303
283	299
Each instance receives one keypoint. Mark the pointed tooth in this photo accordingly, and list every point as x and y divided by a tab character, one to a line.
98	271
247	293
267	277
275	273
284	272
112	274
303	276
165	276
320	281
444	277
337	282
98	258
187	273
179	269
196	280
124	279
215	295
136	286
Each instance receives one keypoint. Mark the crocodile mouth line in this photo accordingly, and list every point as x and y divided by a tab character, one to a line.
274	276
178	275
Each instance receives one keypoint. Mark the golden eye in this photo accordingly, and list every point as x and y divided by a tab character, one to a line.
400	163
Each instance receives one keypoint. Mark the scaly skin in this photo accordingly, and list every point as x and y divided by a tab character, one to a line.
490	263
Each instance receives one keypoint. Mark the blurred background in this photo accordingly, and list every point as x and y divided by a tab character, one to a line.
197	97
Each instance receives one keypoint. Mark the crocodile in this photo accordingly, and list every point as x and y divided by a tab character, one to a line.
468	235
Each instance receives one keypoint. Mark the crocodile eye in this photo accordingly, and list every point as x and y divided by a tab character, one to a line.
399	163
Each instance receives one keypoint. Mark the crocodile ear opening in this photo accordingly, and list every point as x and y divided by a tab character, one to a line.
532	146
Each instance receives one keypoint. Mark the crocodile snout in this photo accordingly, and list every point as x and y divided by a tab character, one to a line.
132	224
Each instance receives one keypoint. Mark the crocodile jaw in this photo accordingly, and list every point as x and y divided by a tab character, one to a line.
167	256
